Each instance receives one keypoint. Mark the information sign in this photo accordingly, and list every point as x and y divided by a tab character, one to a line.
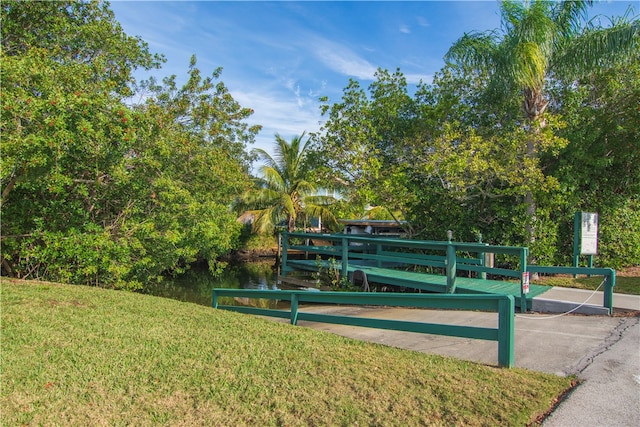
525	282
589	233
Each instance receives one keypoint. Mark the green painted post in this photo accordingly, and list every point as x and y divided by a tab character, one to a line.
481	255
451	264
294	309
378	251
214	299
345	257
285	250
523	269
610	283
577	222
506	311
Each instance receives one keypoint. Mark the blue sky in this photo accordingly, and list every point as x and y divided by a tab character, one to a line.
279	57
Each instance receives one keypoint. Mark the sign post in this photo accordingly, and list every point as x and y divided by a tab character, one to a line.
585	237
525	282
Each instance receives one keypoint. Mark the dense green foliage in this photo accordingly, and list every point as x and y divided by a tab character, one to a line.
361	148
540	40
599	169
98	189
111	182
506	150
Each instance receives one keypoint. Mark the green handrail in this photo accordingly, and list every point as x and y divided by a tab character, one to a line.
448	248
504	305
344	249
449	261
608	273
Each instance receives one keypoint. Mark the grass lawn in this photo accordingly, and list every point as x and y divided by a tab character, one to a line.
75	355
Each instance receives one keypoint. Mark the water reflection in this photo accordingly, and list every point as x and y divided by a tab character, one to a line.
195	285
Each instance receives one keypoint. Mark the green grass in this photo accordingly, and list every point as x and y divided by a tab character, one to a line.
624	284
74	355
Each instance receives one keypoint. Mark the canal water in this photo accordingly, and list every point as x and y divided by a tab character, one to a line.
195	285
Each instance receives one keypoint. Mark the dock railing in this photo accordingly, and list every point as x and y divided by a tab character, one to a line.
502	304
350	248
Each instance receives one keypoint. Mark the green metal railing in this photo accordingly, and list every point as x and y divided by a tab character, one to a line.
502	304
349	248
608	273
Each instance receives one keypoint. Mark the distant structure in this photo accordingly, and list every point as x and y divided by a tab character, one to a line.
386	228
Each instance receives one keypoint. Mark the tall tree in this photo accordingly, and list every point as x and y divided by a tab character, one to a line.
59	58
540	40
284	191
96	190
598	170
363	142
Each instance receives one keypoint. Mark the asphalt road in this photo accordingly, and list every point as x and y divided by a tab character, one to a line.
610	392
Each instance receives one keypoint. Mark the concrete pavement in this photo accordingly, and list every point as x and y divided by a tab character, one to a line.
561	300
620	301
603	351
558	345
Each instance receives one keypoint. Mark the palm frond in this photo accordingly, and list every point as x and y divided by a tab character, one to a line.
261	198
304	188
511	12
319	200
474	49
265	158
596	48
323	212
272	178
265	220
569	16
529	65
288	205
536	26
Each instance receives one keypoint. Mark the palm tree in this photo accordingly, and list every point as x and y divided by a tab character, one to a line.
283	191
541	39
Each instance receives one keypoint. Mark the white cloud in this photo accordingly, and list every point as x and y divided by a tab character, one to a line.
405	29
417	78
422	21
319	92
343	60
278	112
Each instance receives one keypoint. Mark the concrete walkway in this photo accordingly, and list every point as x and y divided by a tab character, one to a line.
561	300
603	351
620	301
